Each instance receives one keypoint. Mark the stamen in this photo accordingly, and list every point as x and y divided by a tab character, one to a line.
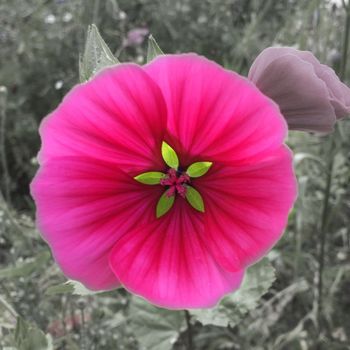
176	181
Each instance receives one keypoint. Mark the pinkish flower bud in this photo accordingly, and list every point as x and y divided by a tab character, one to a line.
310	95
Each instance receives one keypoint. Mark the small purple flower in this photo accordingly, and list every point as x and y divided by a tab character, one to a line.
136	36
310	95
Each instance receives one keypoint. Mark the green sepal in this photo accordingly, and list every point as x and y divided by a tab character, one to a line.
153	49
71	287
150	178
195	199
164	204
198	169
169	155
96	56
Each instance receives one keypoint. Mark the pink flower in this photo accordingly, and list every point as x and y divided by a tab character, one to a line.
186	248
310	95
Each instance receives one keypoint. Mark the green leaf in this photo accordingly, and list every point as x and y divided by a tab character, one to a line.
153	49
21	330
27	268
63	288
71	287
28	337
153	327
164	204
169	156
96	56
234	307
195	199
150	178
198	169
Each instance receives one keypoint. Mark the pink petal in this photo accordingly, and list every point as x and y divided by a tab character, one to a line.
83	207
338	91
214	114
247	208
167	262
284	75
119	116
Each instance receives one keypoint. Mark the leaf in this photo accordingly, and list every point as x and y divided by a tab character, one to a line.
301	156
164	204
150	178
195	199
234	307
96	56
27	268
198	169
29	337
63	288
21	330
169	156
153	49
71	287
153	327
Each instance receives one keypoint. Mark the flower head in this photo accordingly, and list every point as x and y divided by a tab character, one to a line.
310	94
169	179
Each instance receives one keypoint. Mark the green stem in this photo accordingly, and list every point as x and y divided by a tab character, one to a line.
95	14
323	229
8	307
345	44
82	329
189	331
6	176
330	168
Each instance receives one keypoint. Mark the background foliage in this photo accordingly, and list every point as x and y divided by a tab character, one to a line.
308	305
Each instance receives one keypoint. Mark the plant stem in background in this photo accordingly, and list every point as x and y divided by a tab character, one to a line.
326	202
345	42
95	14
323	228
189	331
81	306
8	307
5	171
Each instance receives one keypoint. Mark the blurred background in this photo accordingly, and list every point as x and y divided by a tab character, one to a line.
308	306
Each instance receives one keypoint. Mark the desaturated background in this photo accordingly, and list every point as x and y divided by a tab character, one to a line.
308	306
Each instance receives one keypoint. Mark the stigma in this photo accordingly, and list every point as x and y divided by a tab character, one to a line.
176	182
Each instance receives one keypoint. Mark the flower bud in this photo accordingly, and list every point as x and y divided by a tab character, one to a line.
310	95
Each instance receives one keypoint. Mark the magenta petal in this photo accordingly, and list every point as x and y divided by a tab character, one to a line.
101	223
215	114
310	95
247	208
83	207
119	116
168	263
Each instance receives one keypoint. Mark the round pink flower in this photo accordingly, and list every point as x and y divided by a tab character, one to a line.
310	94
182	236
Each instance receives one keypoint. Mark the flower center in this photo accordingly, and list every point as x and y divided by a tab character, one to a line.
175	181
